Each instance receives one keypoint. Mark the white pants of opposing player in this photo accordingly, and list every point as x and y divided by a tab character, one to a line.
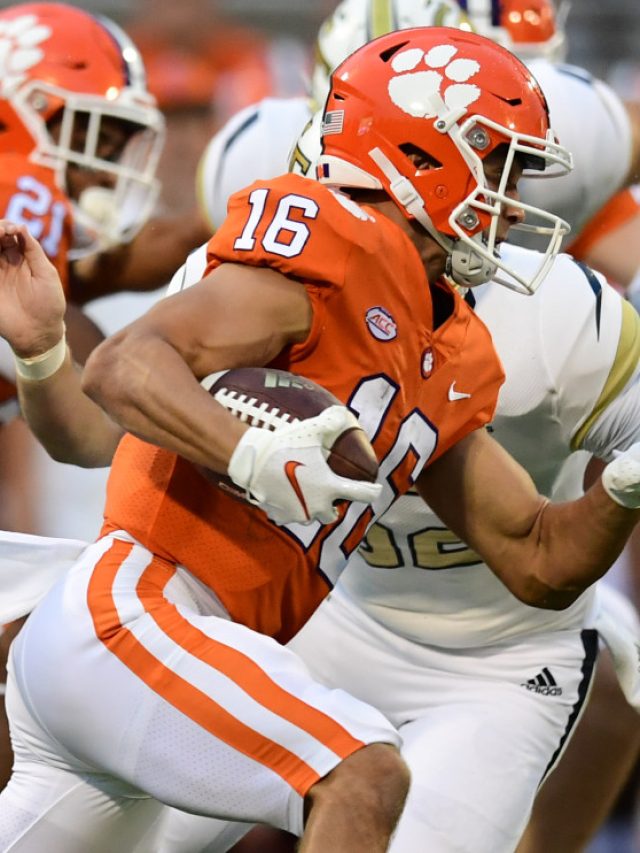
480	727
128	689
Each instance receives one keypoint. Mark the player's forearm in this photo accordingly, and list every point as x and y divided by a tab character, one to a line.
70	426
146	263
572	545
545	554
147	387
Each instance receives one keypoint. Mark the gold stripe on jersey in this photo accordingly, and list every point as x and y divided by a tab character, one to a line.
443	15
298	157
381	18
625	362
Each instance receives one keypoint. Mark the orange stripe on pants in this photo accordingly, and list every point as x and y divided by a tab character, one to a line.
191	701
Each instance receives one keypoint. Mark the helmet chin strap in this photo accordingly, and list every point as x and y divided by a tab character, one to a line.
464	265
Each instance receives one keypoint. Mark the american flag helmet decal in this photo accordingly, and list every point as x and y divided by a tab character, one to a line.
332	122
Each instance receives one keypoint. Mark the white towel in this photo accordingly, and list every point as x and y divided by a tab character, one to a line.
29	567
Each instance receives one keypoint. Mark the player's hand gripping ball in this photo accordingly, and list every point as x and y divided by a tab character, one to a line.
281	402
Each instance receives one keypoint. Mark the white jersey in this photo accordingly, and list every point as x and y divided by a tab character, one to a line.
568	352
256	143
592	122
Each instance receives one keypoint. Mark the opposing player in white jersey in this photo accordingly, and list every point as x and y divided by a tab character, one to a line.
604	211
485	690
591	120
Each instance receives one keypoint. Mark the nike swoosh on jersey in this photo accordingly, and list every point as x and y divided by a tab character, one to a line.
457	395
290	473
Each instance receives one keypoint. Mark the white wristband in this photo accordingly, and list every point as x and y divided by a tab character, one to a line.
42	366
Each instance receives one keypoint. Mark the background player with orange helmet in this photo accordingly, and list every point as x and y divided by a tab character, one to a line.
71	155
275	224
80	139
80	133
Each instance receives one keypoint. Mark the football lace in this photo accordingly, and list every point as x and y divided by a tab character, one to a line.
248	410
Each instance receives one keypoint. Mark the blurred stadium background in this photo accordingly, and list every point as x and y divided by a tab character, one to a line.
601	34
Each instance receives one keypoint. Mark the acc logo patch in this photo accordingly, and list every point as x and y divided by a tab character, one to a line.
381	324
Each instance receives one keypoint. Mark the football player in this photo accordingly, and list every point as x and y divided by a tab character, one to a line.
577	98
70	156
577	101
79	144
178	692
80	137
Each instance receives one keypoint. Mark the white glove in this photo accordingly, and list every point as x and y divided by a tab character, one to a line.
286	474
621	477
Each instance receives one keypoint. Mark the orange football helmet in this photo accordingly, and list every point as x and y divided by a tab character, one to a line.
447	98
355	22
64	75
528	28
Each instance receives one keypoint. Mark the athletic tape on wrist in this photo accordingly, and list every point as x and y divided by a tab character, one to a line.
40	367
621	481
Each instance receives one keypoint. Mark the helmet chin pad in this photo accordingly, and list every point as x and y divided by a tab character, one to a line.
467	267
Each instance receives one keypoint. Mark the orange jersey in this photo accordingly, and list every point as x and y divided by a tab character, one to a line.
29	195
372	344
620	208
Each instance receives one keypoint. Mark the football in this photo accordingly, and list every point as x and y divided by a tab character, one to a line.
269	399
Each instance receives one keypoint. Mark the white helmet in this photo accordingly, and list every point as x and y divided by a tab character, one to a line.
355	22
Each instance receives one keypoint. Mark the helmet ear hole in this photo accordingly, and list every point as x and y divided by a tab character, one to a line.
420	158
388	54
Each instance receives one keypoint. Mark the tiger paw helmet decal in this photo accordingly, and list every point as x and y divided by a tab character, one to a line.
20	49
421	74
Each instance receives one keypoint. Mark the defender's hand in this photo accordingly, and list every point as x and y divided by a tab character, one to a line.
621	478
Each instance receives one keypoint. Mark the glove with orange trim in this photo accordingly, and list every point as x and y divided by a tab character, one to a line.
286	473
